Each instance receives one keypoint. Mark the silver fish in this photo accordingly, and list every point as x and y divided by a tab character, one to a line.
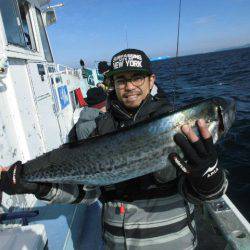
131	152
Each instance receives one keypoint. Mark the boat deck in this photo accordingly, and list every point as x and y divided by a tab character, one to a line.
79	227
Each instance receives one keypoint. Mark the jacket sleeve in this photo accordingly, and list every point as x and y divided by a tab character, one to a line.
165	175
185	188
68	193
193	196
86	123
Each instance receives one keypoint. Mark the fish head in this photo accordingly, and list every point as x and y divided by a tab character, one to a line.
226	111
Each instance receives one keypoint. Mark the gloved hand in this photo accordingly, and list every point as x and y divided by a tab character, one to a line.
12	183
201	165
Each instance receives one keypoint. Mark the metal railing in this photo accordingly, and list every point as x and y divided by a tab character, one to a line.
68	71
232	224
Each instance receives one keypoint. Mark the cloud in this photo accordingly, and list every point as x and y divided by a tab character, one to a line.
205	20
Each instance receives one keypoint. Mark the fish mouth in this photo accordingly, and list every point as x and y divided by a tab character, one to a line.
226	111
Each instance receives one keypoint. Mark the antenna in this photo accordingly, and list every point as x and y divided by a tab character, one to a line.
178	31
55	6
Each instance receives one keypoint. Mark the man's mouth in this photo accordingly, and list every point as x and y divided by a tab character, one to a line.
132	98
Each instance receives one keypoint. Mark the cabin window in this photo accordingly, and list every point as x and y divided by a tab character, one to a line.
17	23
44	38
24	8
12	23
74	100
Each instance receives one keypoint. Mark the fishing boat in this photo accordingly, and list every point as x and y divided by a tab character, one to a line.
159	58
38	99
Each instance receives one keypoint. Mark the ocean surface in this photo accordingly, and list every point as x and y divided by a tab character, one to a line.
225	74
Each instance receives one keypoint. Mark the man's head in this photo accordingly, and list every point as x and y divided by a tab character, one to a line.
103	67
132	77
96	98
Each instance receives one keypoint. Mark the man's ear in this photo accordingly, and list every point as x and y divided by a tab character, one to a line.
152	80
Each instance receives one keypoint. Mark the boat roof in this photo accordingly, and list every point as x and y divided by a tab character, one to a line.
43	2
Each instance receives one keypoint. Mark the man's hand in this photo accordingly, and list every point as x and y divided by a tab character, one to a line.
201	165
12	183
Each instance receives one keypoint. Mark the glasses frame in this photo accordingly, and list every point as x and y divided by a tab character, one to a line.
121	86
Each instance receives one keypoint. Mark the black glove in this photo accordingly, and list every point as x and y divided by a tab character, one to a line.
12	183
201	165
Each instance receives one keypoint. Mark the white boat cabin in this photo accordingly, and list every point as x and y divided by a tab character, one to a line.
37	97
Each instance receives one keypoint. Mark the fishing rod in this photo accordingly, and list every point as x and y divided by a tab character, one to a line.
177	52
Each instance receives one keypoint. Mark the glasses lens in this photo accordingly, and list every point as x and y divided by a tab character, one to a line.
120	82
138	80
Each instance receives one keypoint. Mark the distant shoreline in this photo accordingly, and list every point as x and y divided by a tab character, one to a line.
211	52
245	46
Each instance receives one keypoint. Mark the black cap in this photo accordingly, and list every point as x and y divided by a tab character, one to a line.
103	67
96	97
130	60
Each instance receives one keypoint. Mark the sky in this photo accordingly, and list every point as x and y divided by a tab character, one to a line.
95	30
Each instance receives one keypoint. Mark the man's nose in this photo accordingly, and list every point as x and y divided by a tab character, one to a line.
129	85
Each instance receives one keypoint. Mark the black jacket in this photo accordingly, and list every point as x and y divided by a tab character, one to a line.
117	116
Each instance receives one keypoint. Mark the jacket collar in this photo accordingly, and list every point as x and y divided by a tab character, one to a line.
120	113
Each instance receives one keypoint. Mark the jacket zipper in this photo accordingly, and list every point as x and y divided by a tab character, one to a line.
121	111
140	109
127	115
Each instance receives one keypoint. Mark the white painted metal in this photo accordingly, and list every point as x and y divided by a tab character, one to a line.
238	214
232	224
44	107
28	237
22	108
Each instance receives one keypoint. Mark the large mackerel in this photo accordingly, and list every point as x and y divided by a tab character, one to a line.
130	152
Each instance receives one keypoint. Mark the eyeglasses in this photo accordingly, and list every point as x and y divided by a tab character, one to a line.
136	80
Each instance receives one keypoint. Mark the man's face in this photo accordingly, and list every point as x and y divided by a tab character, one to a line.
132	88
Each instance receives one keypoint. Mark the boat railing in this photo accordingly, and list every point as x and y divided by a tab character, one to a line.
68	71
231	223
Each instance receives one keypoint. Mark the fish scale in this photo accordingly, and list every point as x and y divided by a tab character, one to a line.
130	152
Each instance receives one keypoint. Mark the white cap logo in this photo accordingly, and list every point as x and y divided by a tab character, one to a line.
127	60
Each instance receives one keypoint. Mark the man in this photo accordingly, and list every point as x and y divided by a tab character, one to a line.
152	211
96	98
84	75
103	69
84	118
